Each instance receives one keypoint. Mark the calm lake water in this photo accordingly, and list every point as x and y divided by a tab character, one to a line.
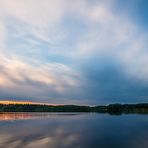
73	130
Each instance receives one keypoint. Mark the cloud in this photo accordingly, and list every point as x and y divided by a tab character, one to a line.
22	78
2	36
40	15
115	35
62	49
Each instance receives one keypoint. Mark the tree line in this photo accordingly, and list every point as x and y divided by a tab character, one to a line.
111	108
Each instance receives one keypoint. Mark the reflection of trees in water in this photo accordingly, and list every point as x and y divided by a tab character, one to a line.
15	116
10	116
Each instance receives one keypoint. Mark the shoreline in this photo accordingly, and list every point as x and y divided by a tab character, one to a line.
140	108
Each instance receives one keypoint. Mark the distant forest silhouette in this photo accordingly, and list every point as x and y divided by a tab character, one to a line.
111	108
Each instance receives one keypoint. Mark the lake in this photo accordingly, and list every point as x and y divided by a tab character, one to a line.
73	130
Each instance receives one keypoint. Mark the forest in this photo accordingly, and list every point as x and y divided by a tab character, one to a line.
111	108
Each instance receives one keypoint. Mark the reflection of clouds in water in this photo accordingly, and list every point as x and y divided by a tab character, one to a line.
55	139
79	131
140	140
40	133
53	142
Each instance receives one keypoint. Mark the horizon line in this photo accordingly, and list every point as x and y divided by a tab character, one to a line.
7	102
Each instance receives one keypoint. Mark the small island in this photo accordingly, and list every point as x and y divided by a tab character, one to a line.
117	109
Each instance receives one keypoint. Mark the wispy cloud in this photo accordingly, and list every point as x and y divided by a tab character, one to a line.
64	49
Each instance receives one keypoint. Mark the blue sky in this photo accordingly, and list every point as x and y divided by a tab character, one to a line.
74	52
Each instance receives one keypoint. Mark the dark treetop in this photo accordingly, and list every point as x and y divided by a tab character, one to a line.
111	108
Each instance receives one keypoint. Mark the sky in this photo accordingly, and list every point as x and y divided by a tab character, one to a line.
74	51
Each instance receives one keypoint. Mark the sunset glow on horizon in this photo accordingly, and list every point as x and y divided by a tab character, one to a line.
26	103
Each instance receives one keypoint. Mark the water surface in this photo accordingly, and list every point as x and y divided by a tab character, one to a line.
73	130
